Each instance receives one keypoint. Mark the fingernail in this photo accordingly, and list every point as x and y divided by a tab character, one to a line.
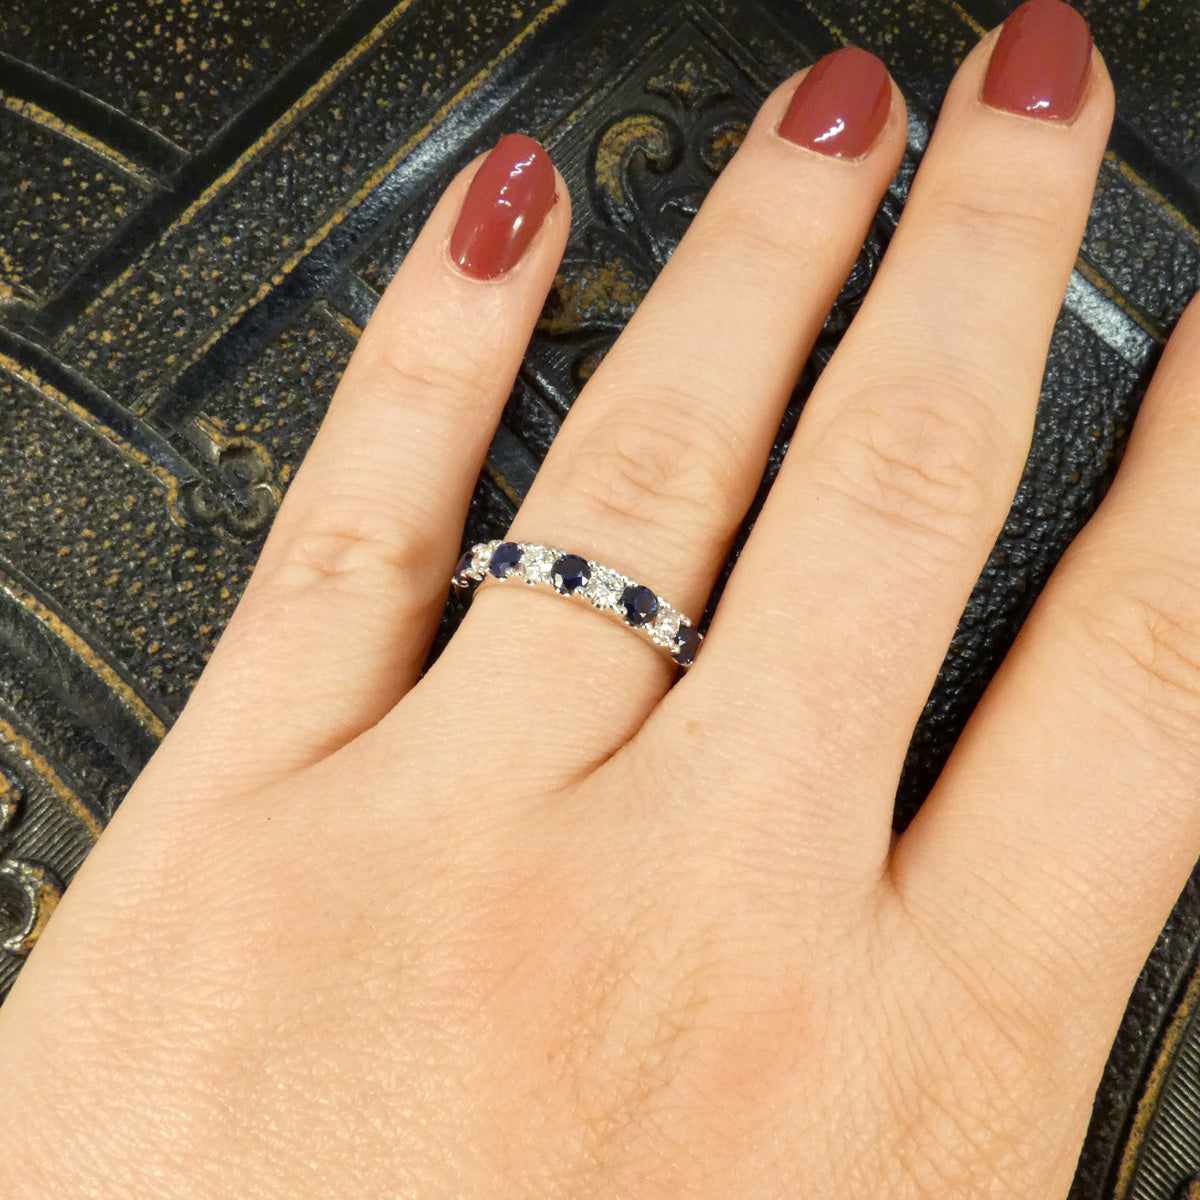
841	105
1040	63
507	202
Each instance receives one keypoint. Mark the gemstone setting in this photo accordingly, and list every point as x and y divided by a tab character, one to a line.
462	575
578	578
536	563
605	587
570	574
639	604
506	557
687	643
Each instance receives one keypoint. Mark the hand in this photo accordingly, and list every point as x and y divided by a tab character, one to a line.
537	926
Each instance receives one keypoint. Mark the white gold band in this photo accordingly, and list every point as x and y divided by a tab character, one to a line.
573	576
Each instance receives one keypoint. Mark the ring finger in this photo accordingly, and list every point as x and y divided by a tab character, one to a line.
660	456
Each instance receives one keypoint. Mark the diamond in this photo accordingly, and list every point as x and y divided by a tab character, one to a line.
663	631
604	588
536	563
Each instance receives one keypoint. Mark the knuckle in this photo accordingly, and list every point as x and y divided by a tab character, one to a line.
1144	630
668	471
753	233
966	1126
960	1105
1002	1031
994	213
358	552
923	458
456	384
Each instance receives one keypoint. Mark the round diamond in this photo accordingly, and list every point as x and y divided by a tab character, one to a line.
537	563
640	604
687	642
570	573
604	588
505	557
664	629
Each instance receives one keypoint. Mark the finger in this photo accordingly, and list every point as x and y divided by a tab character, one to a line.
338	617
904	464
1068	818
661	454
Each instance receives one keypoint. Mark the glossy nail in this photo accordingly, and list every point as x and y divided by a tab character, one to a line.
1040	63
841	105
507	202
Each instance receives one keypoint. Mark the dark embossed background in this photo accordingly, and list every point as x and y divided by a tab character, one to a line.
199	205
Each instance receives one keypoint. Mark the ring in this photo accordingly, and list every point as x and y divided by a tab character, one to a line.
571	575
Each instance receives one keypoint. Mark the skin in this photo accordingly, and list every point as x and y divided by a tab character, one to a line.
536	926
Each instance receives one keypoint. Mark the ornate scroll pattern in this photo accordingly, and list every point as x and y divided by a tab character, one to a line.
208	481
238	495
647	174
29	891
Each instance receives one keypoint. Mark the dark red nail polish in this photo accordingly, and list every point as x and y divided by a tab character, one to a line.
507	202
1040	64
841	105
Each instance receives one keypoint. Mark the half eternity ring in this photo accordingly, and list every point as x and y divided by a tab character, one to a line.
572	575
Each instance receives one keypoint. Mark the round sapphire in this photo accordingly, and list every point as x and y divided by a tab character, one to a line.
506	556
464	565
640	604
570	573
687	642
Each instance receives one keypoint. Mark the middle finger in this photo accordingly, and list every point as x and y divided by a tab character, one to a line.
904	464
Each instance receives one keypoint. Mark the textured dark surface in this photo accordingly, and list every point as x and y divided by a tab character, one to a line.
199	203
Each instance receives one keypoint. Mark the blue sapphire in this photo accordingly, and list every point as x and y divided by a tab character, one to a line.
687	642
506	556
570	573
640	604
464	565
